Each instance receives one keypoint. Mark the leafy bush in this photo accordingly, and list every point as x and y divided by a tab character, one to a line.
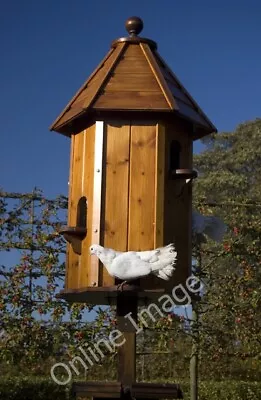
32	388
225	390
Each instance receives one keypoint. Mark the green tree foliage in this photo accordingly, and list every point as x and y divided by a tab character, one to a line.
36	328
229	186
40	330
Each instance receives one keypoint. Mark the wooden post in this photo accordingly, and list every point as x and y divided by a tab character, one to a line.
194	356
127	304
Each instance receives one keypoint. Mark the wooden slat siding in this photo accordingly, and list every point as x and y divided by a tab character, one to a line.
88	175
169	79
105	73
208	122
131	101
117	188
70	197
158	231
159	186
133	83
97	192
131	65
133	50
71	113
56	123
142	187
177	208
178	94
186	159
93	90
191	113
76	194
158	75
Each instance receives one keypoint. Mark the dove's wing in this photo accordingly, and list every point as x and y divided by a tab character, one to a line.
128	266
155	255
149	255
133	265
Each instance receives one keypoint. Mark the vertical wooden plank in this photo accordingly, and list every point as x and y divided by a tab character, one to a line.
116	193
97	194
87	190
76	193
70	195
142	187
177	204
159	186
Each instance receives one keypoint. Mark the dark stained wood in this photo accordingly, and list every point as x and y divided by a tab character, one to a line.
133	50
132	65
108	295
56	123
211	127
159	186
191	113
74	235
158	75
179	94
127	359
97	389
133	83
184	173
132	77
70	114
131	101
127	352
138	390
134	26
177	204
142	390
90	93
135	40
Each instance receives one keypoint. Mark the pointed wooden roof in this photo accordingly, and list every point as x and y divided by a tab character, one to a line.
132	77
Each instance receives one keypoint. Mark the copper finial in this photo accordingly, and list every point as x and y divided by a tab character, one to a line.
134	26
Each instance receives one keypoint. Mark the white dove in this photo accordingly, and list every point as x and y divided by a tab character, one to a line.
132	265
210	226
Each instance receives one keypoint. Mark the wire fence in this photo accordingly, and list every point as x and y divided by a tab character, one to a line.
32	269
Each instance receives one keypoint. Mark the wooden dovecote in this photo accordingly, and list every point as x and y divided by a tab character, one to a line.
132	126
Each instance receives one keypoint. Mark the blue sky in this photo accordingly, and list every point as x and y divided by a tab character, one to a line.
48	48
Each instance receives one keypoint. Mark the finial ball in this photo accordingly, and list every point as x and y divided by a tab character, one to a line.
134	26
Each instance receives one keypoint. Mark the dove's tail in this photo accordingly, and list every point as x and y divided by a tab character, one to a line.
165	266
215	228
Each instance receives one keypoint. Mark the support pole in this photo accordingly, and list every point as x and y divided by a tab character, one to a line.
194	355
127	304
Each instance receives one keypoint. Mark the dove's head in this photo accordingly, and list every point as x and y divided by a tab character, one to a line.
96	249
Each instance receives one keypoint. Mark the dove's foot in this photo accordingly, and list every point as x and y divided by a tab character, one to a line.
120	286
